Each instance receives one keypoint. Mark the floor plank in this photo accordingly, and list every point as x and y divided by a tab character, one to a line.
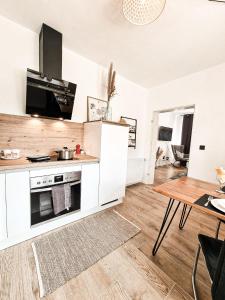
178	294
115	292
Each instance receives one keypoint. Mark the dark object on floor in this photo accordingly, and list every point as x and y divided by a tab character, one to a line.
214	254
178	175
179	156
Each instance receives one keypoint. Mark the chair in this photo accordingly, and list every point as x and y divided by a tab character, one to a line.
218	227
179	156
214	254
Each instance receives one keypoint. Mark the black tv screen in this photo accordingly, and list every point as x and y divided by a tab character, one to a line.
165	133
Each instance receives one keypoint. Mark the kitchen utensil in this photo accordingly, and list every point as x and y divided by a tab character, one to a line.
219	204
65	153
10	154
209	201
38	158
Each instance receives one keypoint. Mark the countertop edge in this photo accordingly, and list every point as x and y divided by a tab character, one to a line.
41	165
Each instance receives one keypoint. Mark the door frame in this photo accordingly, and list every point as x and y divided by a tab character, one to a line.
154	134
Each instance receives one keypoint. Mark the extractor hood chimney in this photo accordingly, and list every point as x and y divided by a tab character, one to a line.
50	52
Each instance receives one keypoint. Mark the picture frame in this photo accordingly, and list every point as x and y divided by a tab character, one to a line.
132	138
96	109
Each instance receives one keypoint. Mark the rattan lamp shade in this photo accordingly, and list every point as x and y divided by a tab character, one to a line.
142	12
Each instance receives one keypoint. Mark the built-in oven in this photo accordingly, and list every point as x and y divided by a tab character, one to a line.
54	195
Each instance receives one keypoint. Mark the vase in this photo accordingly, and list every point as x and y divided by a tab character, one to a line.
109	112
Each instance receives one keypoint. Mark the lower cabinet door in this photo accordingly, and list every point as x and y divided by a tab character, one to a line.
18	203
3	230
89	186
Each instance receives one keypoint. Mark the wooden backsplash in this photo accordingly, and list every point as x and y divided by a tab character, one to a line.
38	136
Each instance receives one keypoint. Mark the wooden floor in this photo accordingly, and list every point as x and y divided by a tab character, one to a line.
164	173
130	272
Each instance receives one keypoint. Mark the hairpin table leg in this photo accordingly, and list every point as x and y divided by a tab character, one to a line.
163	232
184	216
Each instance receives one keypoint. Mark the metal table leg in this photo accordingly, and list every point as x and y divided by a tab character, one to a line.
163	232
184	216
193	277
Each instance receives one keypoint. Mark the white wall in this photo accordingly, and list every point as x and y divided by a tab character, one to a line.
206	90
20	50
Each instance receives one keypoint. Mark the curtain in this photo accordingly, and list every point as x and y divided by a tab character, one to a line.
186	132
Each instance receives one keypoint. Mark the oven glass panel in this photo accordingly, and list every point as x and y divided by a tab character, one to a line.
42	205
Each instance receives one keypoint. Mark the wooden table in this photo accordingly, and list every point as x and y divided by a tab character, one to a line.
185	190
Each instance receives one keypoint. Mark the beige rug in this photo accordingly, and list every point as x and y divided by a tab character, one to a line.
64	254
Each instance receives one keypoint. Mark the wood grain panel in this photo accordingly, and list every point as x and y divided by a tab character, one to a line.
187	190
38	136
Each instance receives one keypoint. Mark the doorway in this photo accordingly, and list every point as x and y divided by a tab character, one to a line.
171	143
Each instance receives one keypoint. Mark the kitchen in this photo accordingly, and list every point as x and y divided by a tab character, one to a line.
81	88
30	180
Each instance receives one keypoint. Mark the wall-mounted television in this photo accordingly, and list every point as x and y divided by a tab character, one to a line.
165	133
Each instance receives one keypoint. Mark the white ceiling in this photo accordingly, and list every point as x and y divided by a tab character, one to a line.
188	37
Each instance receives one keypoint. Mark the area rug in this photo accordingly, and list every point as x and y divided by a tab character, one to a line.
62	255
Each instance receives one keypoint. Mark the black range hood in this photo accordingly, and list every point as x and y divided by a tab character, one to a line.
50	52
47	94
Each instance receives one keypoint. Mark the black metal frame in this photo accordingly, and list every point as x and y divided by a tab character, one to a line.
184	216
193	277
218	228
163	232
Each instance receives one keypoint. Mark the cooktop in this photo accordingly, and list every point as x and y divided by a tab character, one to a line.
46	158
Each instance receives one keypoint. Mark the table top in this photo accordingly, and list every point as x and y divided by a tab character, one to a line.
187	190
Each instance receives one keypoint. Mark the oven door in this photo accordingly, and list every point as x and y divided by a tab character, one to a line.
42	204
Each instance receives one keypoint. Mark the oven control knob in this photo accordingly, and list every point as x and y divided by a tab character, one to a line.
38	182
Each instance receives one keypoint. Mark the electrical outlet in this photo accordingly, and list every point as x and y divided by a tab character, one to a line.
202	147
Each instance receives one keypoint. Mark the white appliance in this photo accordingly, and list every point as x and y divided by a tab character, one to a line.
109	142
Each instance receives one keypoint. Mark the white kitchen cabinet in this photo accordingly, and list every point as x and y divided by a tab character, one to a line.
3	228
89	186
109	142
18	203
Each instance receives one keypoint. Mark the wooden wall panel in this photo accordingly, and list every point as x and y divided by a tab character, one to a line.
37	135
